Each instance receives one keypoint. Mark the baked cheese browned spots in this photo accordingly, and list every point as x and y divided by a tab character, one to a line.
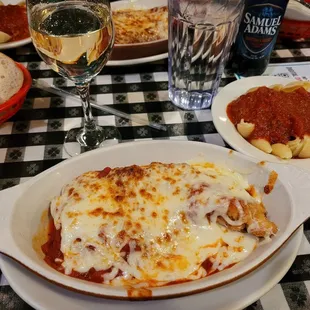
138	26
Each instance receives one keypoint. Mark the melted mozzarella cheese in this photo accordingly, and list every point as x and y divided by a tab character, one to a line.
159	213
139	26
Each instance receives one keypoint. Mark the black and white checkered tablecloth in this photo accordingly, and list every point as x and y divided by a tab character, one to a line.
32	141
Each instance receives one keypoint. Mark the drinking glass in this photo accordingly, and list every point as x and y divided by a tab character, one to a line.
201	33
75	38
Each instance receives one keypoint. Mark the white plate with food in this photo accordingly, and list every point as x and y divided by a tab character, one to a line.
141	29
152	220
13	24
43	295
267	118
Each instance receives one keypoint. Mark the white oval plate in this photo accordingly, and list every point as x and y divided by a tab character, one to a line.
228	131
137	61
21	208
42	295
9	45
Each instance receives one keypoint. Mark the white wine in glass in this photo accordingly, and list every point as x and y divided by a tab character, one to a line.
75	38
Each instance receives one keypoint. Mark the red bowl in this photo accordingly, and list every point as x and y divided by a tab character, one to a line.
11	106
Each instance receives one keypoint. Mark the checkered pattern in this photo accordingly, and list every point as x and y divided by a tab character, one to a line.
32	141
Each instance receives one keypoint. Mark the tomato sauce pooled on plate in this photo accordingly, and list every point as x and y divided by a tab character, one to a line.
14	22
278	116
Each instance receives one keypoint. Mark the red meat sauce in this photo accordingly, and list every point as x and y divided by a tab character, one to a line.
14	22
278	116
54	257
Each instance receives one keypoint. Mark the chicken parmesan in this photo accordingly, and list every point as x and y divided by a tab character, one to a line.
154	225
140	25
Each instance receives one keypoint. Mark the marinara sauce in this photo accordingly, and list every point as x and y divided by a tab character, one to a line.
278	116
54	257
14	22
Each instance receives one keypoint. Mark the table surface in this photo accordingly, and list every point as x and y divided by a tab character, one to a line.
32	140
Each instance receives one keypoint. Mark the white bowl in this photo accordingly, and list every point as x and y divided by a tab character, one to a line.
227	129
21	208
14	44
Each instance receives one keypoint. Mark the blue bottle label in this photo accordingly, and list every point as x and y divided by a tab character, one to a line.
259	28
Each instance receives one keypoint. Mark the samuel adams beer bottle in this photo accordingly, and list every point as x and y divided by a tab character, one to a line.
257	35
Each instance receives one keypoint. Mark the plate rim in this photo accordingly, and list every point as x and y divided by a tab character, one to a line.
228	131
136	61
274	280
15	44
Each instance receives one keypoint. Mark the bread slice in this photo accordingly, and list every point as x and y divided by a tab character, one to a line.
11	78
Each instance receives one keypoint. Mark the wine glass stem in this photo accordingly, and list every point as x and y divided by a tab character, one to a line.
91	136
89	122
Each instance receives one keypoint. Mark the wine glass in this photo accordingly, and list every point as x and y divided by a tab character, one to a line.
75	38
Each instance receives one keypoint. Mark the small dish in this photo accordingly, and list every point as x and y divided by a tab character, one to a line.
23	205
14	44
228	131
138	50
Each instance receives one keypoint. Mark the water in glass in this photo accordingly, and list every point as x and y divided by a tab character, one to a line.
200	35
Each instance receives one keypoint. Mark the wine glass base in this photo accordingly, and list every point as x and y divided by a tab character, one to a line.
76	142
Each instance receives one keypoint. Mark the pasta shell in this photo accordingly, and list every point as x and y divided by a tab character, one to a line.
4	37
277	87
262	144
296	146
281	150
245	129
252	89
306	86
295	85
305	151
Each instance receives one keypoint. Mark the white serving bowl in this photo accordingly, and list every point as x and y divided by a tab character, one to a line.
21	208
